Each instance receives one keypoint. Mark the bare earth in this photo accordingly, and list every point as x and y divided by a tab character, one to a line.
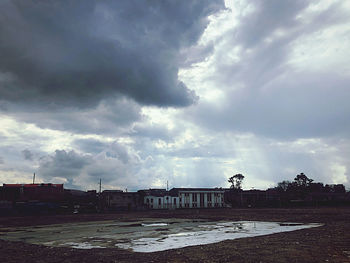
329	243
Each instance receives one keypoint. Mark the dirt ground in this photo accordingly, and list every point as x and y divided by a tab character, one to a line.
329	243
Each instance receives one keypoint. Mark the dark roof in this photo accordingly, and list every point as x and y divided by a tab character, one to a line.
199	189
175	191
112	191
157	192
32	185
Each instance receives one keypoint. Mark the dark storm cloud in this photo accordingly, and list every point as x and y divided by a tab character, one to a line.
56	53
108	117
111	162
64	164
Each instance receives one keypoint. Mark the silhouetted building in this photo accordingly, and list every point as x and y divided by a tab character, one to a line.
114	200
32	192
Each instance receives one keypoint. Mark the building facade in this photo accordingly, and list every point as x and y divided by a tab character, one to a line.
114	200
184	198
200	197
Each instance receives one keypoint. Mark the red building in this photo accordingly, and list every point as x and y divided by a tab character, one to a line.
32	192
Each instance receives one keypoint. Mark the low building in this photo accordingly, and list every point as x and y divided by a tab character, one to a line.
159	199
199	197
32	192
81	201
114	200
184	198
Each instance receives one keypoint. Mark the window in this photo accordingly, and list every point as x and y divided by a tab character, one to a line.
147	200
174	201
187	199
201	199
209	197
152	200
194	197
159	201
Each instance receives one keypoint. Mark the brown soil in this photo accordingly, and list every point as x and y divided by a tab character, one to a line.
329	243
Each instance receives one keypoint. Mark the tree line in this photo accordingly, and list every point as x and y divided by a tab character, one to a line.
301	191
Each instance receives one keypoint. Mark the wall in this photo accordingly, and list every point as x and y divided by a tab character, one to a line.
161	202
201	199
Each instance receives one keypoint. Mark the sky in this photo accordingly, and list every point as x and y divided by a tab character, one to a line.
141	93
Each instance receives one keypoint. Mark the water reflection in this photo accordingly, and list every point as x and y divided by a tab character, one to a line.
146	235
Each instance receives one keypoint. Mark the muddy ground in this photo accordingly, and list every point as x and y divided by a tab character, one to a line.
329	243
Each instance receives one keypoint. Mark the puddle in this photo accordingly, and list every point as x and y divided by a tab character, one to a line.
213	233
155	224
84	245
145	235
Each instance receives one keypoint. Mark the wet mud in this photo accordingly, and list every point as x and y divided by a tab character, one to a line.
327	243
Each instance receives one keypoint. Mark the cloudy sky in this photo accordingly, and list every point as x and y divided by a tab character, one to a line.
139	93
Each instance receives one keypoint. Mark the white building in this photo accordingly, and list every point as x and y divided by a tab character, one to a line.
184	198
161	202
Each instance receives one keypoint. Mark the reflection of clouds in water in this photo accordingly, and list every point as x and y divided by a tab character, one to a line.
84	245
208	234
155	224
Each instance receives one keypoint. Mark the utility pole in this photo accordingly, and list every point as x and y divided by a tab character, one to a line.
99	197
33	178
167	189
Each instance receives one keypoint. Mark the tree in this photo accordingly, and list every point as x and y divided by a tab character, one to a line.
339	188
302	180
236	181
283	186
